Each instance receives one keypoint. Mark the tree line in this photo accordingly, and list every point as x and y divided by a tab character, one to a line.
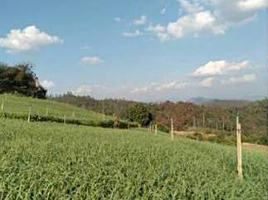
185	115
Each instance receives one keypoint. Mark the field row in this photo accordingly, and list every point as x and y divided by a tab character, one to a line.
55	161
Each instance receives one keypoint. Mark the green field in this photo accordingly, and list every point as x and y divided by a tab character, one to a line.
57	161
21	105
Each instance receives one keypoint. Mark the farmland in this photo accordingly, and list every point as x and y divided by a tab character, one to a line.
21	104
57	161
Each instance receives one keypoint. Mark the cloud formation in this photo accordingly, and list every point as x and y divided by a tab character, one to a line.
159	31
134	34
47	84
160	87
213	16
207	82
141	21
83	90
28	39
246	78
91	60
215	68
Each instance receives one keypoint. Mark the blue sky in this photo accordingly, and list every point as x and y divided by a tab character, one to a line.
148	50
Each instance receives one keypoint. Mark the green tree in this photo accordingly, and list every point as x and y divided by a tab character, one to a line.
20	79
139	113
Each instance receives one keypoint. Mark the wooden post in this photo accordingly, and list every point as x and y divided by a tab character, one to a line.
103	111
171	129
155	129
194	122
73	114
239	148
2	105
150	127
29	114
203	120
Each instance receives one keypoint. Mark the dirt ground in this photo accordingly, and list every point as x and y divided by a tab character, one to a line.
260	148
247	146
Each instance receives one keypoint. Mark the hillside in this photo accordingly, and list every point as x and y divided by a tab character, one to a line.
46	160
21	105
217	117
219	102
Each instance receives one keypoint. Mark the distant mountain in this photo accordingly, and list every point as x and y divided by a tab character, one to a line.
219	102
199	100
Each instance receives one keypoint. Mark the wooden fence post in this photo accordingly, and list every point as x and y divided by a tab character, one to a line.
171	129
155	129
239	148
103	110
203	120
2	105
29	114
150	127
194	122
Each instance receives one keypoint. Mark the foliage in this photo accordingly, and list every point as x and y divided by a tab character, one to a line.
163	128
20	79
140	114
56	161
112	107
16	107
216	115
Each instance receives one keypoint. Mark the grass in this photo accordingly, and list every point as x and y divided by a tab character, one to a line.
21	105
56	161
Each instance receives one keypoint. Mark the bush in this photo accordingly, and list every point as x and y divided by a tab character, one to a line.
163	128
139	113
40	118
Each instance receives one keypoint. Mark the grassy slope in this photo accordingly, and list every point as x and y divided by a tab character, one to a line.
62	161
16	104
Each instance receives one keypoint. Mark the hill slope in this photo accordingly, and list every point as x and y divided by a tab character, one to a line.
21	105
57	161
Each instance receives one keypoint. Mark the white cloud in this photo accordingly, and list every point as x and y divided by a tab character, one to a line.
47	84
190	7
233	12
139	90
240	79
207	82
252	4
195	24
163	11
214	68
28	39
213	17
159	31
88	89
136	33
171	86
159	87
141	21
91	60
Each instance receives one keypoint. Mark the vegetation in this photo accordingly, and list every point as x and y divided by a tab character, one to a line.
56	161
217	116
20	79
18	107
140	114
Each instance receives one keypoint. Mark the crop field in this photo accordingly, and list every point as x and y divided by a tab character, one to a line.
21	105
57	161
